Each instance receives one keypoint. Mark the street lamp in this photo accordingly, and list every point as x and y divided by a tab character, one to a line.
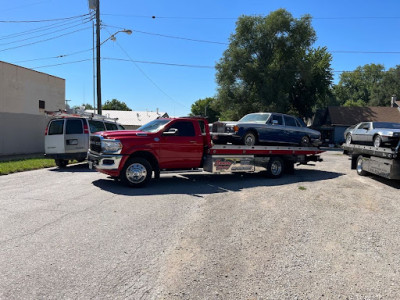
113	38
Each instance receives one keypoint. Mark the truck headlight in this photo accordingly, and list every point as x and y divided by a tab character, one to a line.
111	146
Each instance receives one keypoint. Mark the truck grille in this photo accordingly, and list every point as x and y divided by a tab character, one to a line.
95	144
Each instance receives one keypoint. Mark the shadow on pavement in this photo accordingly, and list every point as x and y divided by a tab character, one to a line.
197	184
73	168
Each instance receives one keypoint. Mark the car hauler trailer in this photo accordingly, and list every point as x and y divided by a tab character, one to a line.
384	162
185	144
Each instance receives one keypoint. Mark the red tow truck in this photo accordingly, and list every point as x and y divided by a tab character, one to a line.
185	144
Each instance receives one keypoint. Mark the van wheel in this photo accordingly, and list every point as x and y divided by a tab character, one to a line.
136	172
275	167
61	163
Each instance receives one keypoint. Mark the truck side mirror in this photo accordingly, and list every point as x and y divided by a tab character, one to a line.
171	131
274	122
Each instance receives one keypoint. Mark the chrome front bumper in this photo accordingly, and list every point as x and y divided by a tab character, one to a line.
104	161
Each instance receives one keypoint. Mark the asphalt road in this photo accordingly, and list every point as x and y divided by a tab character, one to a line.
322	233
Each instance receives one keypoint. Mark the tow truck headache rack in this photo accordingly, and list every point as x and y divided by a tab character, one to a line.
384	162
79	114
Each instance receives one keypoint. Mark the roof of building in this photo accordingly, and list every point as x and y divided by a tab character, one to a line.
347	116
132	118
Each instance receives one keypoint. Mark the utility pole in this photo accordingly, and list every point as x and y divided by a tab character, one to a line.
98	68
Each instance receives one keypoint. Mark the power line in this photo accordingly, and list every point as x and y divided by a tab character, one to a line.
148	77
159	63
42	28
44	34
60	64
40	21
235	18
45	40
53	57
173	37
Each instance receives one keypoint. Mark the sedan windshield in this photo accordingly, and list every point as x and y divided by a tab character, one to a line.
255	118
386	125
154	126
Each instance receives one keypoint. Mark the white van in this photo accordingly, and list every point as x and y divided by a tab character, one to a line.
67	135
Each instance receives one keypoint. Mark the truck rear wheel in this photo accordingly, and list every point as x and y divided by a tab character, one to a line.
136	172
275	167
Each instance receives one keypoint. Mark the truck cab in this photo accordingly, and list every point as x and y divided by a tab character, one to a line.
162	144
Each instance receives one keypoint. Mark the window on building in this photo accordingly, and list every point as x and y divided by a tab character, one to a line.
42	104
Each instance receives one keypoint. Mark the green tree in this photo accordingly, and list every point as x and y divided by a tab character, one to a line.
86	106
205	107
115	104
271	66
362	87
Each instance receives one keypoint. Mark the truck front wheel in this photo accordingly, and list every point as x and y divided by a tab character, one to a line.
136	172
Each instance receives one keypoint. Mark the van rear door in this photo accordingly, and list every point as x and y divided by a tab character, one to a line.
75	138
54	139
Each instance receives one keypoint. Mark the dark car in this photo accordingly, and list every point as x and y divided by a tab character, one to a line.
268	128
375	133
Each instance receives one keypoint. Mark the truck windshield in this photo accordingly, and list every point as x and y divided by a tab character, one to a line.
154	126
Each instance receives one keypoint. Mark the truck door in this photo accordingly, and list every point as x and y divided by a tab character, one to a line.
54	138
75	139
182	149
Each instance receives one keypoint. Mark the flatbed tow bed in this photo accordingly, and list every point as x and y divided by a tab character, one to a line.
274	159
384	162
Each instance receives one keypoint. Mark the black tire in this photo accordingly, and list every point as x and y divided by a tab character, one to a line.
275	167
377	141
359	166
136	172
348	139
61	163
250	139
305	141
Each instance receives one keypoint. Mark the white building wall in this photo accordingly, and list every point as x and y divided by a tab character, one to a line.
22	122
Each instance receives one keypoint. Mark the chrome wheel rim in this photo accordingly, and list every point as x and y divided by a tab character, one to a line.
136	173
250	140
359	166
377	142
348	139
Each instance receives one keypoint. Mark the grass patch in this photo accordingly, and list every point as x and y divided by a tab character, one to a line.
13	166
302	188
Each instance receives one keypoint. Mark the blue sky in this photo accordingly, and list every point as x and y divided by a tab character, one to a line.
168	62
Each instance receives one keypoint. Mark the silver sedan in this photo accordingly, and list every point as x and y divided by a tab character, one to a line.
375	133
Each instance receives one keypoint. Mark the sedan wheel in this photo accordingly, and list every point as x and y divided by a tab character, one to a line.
249	139
305	141
377	141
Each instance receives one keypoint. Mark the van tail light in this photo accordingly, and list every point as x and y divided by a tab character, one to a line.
46	130
85	128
